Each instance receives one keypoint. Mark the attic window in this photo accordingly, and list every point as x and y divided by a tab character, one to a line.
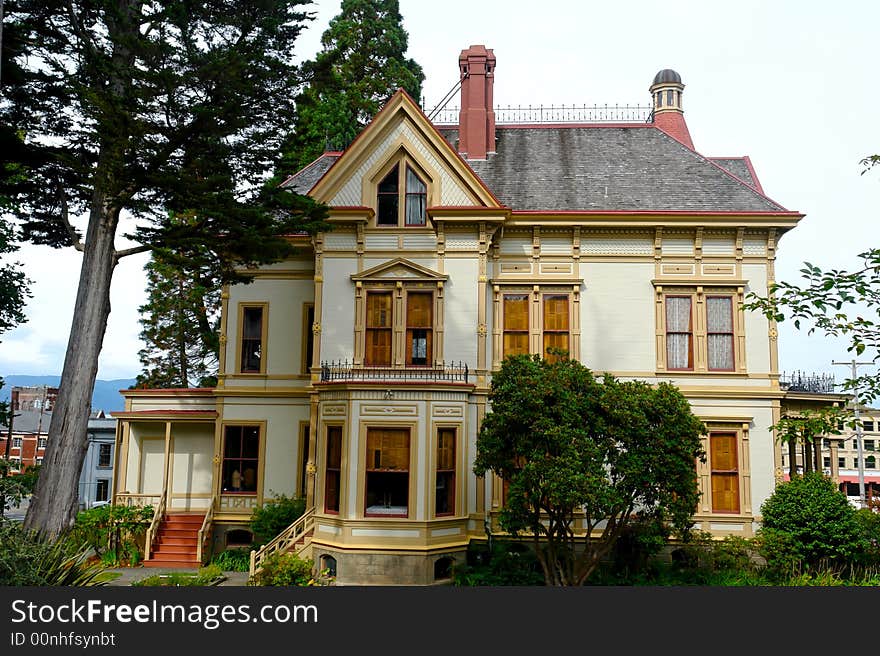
401	181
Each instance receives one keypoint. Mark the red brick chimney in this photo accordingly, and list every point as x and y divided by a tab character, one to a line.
476	121
668	115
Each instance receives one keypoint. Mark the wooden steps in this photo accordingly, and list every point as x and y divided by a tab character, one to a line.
177	542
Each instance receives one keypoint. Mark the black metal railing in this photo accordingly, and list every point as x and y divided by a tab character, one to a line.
799	381
440	373
556	114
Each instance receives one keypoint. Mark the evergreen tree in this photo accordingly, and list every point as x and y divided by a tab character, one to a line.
362	63
129	107
180	323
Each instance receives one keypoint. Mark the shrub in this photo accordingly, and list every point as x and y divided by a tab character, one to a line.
509	563
28	559
809	520
116	533
272	517
210	575
285	569
233	560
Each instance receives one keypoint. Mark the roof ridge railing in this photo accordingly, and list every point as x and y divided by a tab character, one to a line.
520	114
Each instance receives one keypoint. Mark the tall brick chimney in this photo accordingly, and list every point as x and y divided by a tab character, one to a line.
476	121
668	115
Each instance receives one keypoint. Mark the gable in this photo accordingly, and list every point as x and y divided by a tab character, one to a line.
401	128
399	269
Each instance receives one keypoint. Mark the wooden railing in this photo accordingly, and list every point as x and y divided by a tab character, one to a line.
153	531
205	531
284	540
138	500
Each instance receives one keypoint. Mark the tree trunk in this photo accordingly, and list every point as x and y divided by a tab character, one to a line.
53	506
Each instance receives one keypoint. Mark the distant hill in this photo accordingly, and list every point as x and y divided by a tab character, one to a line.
106	396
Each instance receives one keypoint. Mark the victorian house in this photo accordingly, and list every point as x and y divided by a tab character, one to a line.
356	374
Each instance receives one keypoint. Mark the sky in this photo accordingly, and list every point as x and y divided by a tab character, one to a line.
793	84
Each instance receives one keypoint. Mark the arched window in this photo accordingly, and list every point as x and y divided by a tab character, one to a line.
402	198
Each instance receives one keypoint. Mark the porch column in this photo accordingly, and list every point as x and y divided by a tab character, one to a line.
311	467
166	473
121	474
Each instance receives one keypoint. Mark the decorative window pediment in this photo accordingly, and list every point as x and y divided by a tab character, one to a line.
399	269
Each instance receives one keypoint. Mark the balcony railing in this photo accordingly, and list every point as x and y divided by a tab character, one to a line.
344	371
799	381
557	114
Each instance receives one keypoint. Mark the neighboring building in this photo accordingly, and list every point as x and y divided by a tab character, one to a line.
357	373
96	478
30	431
36	398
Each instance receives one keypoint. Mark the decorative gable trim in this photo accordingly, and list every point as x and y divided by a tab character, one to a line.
401	109
399	269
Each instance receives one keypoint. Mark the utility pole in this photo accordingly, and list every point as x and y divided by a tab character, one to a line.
860	452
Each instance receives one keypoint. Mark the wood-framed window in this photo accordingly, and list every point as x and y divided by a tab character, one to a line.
679	333
700	331
444	479
516	324
333	470
556	324
417	315
102	489
724	472
402	198
105	455
241	459
719	333
386	477
379	329
419	328
252	342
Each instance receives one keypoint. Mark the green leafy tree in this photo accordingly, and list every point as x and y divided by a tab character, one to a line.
836	302
808	522
180	327
806	428
570	445
362	63
135	113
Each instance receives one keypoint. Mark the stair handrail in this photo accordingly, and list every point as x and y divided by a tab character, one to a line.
153	529
283	540
205	530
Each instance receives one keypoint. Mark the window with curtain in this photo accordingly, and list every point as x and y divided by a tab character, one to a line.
719	333
416	199
556	323
679	333
419	327
333	469
402	198
516	324
724	472
378	329
251	339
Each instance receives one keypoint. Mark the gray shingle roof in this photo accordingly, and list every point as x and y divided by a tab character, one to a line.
737	166
609	168
598	168
304	179
28	421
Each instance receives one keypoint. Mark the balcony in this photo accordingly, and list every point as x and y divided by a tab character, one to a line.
348	372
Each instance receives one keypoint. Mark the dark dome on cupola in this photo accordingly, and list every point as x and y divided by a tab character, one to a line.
666	76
